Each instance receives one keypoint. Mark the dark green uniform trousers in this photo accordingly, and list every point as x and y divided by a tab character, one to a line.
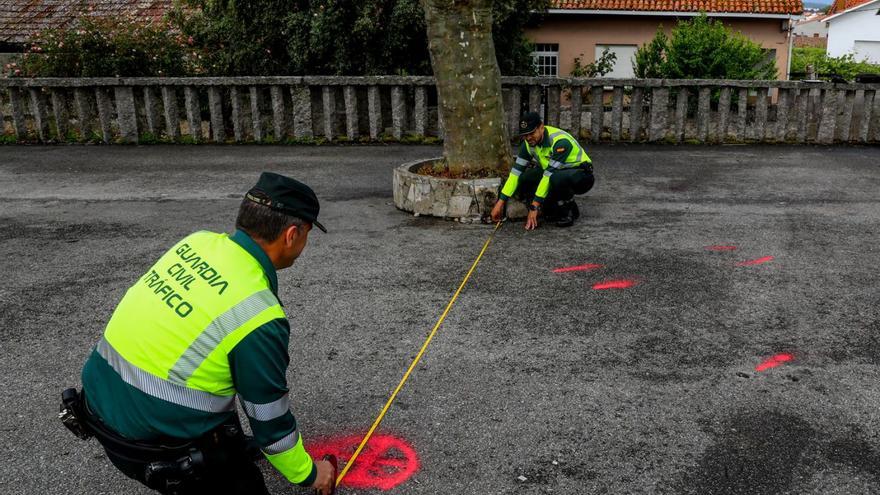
564	184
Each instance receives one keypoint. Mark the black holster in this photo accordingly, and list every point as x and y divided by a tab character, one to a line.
71	414
167	466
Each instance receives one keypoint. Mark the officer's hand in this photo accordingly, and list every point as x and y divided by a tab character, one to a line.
498	210
325	481
532	220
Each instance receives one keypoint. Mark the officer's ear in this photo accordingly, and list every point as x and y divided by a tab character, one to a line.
290	235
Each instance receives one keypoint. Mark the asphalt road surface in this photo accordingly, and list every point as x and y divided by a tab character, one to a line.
742	357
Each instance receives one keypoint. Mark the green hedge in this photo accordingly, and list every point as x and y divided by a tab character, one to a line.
108	47
846	66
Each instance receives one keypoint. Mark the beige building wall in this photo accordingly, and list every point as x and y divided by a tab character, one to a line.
578	34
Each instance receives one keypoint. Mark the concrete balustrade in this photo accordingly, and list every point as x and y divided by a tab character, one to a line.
394	108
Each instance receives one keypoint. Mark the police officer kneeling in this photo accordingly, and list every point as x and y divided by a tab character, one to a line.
563	170
202	326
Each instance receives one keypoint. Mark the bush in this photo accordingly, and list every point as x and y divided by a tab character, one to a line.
107	47
336	37
266	37
649	60
702	48
603	65
845	66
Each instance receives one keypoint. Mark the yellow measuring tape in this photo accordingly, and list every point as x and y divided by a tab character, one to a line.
416	359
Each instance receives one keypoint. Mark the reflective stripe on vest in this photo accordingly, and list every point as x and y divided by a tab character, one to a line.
554	134
580	151
163	389
286	443
219	329
183	358
268	411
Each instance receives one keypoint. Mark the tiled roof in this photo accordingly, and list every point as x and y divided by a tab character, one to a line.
719	6
20	19
840	5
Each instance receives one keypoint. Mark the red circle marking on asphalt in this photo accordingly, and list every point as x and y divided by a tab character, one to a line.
614	284
720	248
578	268
758	261
774	361
385	462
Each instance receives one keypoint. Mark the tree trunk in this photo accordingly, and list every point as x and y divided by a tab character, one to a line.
468	84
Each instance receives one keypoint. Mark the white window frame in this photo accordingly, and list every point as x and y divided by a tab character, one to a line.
545	58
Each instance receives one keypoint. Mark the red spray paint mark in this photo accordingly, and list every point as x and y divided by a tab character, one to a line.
385	462
578	268
721	248
774	362
758	261
614	284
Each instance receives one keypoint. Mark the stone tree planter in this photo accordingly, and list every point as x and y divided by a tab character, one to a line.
464	200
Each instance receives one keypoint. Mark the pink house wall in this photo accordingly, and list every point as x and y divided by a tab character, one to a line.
578	34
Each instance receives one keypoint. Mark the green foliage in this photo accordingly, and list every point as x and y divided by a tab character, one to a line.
411	139
845	66
358	38
148	138
336	37
650	58
266	37
105	47
512	49
702	48
598	68
305	140
238	37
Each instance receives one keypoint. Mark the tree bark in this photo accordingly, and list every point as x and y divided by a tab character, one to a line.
468	84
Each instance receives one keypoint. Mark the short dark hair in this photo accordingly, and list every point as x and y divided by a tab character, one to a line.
263	222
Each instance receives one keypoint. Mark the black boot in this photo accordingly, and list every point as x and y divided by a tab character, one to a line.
576	212
550	212
567	214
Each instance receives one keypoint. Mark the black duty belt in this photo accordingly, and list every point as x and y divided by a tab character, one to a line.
167	464
585	166
134	450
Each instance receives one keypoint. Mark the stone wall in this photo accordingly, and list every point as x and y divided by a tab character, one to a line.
810	41
391	108
465	200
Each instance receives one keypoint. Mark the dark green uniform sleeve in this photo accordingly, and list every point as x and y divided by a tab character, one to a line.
561	150
259	372
522	160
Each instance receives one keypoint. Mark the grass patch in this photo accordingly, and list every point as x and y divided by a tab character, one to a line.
95	137
149	138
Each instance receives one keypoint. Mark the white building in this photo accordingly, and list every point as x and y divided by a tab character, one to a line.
855	30
811	27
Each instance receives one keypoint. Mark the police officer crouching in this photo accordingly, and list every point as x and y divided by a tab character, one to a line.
203	326
563	170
